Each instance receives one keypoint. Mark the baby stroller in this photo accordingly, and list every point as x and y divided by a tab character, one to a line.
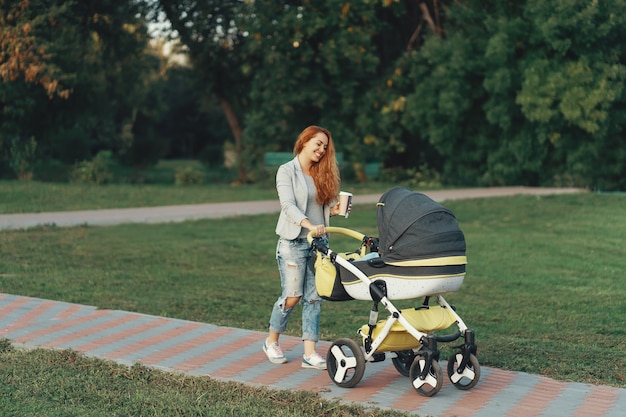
420	253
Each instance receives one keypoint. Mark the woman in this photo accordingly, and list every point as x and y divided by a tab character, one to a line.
307	189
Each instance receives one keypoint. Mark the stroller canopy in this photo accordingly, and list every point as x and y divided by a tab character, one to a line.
412	226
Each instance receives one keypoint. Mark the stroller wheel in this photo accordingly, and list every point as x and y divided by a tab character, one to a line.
431	384
470	375
403	361
345	363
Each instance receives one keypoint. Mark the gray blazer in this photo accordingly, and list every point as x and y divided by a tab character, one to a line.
293	196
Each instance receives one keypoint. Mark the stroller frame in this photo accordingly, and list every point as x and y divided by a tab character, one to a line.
419	358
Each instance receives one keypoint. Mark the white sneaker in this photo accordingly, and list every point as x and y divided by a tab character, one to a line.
274	352
315	361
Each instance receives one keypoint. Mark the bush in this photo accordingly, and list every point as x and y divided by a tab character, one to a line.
189	176
97	171
22	158
420	177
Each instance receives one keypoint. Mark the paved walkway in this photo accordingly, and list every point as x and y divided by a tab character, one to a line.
235	354
219	210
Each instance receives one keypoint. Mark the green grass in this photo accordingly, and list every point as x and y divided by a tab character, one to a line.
45	382
35	197
544	289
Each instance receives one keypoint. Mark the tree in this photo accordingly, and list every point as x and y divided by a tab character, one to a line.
193	120
94	53
211	30
318	61
524	93
276	67
572	89
23	56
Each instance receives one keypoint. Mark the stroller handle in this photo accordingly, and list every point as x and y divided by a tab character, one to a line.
338	230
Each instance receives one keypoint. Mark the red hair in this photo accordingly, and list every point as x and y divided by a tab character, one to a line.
325	173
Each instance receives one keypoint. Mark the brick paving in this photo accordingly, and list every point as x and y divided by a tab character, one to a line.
235	355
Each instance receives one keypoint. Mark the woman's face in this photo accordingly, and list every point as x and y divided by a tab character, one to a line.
316	147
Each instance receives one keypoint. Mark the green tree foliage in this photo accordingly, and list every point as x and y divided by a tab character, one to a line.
212	32
285	65
193	122
475	92
525	93
318	61
403	29
95	52
489	92
574	90
23	54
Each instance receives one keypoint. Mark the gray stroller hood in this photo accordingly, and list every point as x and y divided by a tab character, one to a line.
412	226
419	239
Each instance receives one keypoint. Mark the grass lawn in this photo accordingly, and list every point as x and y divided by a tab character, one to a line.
544	288
46	382
36	197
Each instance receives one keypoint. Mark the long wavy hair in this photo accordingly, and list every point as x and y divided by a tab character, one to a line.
325	173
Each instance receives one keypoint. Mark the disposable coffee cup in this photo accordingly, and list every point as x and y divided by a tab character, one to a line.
345	198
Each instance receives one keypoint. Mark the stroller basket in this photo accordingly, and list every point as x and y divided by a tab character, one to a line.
427	320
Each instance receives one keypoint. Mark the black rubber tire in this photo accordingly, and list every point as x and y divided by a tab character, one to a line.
435	376
403	361
467	382
345	363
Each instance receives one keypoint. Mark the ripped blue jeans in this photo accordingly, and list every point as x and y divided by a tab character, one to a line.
297	277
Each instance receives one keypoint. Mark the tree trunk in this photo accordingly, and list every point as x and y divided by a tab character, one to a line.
233	122
428	18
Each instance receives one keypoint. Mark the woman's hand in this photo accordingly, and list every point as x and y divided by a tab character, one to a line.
317	229
334	210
